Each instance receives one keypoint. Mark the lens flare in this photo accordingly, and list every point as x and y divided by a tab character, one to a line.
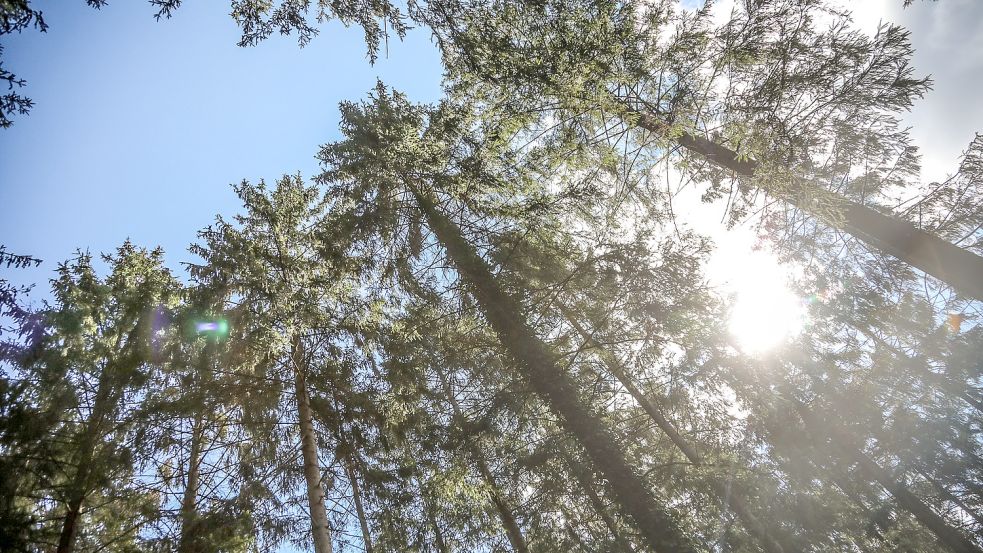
216	327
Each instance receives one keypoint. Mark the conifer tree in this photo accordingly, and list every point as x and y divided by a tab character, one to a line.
90	368
390	155
280	293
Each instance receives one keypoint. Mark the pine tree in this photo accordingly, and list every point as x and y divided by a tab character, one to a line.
90	368
279	291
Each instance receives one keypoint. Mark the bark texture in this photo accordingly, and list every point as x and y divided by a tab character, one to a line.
960	268
308	446
537	362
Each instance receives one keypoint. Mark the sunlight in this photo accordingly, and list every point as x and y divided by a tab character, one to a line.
765	312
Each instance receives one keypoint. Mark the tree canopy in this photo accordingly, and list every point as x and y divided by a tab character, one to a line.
482	326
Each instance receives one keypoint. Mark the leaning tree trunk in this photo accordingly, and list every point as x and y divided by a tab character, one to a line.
583	476
850	452
308	447
511	526
438	534
363	522
189	512
942	381
951	497
538	365
726	496
951	264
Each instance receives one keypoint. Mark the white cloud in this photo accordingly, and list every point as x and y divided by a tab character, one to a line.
948	40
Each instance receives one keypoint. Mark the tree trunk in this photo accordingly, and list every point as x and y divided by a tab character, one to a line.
512	530
573	533
79	488
69	529
951	497
432	519
960	268
556	388
952	538
586	483
359	508
189	513
943	381
308	446
724	495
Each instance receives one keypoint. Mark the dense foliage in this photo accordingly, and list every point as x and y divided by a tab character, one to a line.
483	327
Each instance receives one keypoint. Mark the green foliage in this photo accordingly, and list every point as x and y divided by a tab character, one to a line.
414	293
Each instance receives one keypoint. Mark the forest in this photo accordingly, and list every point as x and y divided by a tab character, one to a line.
482	327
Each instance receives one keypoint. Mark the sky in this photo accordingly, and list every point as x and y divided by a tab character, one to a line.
139	127
948	39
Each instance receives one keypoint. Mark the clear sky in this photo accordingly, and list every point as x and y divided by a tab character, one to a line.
139	127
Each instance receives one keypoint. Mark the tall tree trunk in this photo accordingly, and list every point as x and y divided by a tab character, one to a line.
69	529
942	381
308	446
512	530
432	519
585	479
572	532
851	452
951	497
538	364
960	268
724	495
79	487
189	512
357	496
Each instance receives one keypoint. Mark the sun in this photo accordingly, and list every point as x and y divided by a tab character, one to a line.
765	313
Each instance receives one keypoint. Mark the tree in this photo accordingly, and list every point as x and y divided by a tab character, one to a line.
531	54
284	302
385	142
87	370
22	425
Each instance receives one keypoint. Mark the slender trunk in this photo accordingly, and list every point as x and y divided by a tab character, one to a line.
432	519
724	495
359	508
189	512
943	381
512	530
949	263
952	538
556	388
951	497
79	488
586	481
573	533
308	446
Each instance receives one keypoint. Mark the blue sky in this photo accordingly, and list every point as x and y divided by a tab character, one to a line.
140	126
